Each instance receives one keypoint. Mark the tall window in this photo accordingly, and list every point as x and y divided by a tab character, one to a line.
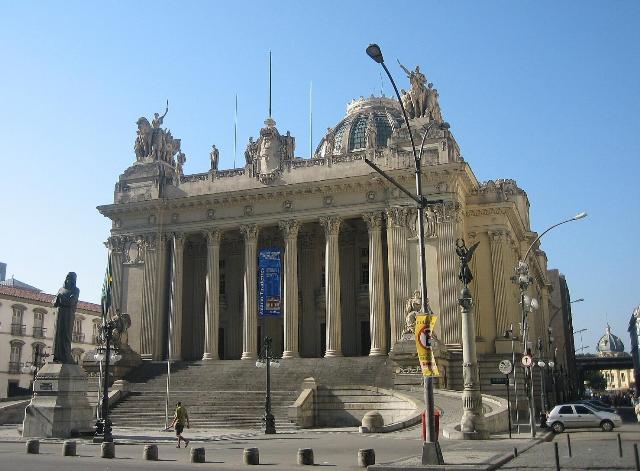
77	335
15	357
95	332
16	321
38	324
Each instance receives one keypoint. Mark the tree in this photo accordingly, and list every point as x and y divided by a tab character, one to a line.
595	380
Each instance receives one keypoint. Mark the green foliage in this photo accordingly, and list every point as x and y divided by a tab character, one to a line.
595	380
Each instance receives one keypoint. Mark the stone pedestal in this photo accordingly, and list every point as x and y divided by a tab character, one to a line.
59	407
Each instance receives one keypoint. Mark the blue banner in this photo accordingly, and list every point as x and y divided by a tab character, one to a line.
269	282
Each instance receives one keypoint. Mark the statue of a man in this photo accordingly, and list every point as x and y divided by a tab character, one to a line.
66	301
214	155
157	120
330	142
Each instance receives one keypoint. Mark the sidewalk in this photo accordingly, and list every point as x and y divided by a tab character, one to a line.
336	447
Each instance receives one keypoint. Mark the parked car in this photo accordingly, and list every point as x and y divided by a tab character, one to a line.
598	405
581	416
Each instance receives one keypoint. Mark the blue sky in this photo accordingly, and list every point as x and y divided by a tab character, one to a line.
546	93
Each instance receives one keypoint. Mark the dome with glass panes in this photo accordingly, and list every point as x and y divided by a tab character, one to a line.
350	134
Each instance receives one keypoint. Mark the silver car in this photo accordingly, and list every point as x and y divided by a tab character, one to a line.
581	416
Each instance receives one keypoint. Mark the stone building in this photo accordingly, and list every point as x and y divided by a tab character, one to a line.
611	345
185	246
27	324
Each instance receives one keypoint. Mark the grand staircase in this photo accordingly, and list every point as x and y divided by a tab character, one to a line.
231	393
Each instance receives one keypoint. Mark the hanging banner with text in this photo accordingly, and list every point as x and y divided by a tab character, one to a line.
424	328
269	282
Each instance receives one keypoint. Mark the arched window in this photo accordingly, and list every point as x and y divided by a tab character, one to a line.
77	335
38	349
15	357
38	323
17	328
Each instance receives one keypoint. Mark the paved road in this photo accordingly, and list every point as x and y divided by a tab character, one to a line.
591	450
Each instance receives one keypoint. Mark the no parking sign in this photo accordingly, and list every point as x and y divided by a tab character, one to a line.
424	328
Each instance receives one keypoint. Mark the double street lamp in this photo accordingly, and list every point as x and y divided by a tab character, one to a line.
527	305
38	361
267	361
104	353
431	452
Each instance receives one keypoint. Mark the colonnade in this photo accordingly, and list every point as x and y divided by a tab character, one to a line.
390	269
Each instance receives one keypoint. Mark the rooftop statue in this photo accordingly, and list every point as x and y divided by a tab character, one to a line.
214	155
154	143
422	100
65	301
265	156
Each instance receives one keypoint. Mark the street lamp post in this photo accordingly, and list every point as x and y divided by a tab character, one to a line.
509	335
431	452
267	361
103	424
524	280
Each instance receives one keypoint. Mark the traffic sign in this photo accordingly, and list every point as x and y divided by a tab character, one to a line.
527	360
505	367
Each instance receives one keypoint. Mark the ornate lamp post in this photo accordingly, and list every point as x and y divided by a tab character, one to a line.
431	452
267	361
524	280
103	424
472	422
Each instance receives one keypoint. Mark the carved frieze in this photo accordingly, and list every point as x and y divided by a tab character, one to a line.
397	216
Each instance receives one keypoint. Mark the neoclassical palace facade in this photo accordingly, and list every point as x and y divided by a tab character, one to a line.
184	247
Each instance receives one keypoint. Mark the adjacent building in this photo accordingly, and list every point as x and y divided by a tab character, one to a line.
618	380
27	325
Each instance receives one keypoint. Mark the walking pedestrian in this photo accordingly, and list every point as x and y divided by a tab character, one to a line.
180	418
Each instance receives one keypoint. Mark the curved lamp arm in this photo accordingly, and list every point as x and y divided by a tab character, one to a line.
580	215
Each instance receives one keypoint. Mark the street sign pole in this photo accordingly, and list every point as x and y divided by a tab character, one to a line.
508	402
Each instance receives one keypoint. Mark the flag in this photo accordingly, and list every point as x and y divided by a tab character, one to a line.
106	289
424	328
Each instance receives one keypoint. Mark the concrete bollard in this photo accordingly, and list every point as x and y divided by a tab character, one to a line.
69	448
251	456
366	457
33	447
305	456
197	455
108	450
150	453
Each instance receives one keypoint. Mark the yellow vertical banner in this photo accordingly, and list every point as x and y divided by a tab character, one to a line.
424	329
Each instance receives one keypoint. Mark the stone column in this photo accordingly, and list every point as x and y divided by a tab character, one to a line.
376	285
472	423
398	263
290	232
161	311
250	324
175	316
149	298
497	243
212	296
116	245
447	267
331	225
